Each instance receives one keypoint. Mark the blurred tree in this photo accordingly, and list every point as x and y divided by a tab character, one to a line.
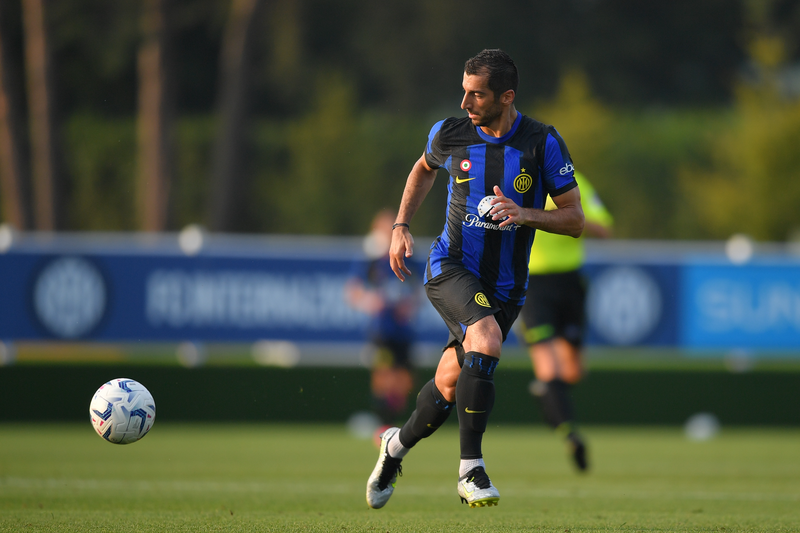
156	114
754	171
234	88
641	95
633	158
101	153
584	122
336	167
95	44
679	52
14	170
50	188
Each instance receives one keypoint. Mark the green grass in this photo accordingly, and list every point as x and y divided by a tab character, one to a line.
312	478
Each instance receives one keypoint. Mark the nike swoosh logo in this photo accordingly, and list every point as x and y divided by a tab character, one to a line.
432	427
470	411
468	493
459	180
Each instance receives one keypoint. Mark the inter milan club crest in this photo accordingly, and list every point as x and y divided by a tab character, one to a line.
523	182
466	165
482	300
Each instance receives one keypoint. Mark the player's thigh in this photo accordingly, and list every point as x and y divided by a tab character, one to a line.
557	359
545	361
570	361
461	300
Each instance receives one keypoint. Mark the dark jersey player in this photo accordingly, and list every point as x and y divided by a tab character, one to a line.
375	290
501	167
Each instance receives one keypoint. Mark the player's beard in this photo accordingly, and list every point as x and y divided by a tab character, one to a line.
489	116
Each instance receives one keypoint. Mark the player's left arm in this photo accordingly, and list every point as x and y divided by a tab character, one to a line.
560	183
568	219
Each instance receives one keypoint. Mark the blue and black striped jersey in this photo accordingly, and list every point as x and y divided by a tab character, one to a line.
528	163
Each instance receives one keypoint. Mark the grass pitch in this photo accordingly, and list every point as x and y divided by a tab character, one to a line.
313	478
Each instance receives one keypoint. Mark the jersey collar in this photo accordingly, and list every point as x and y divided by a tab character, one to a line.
504	138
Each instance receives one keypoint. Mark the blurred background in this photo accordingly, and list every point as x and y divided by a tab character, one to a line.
187	184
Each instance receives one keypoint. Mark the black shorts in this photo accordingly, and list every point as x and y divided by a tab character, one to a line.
554	307
462	299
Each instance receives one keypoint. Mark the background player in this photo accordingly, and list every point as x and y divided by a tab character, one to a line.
374	289
477	270
553	317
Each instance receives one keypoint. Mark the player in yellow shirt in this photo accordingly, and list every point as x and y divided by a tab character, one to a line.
553	317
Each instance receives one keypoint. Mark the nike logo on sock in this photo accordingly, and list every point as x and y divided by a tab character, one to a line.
470	411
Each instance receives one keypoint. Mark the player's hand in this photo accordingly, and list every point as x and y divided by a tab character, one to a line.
505	208
402	246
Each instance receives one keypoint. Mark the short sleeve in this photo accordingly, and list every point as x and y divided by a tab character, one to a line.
558	170
434	156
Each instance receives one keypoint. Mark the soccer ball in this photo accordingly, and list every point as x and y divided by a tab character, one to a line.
122	411
485	205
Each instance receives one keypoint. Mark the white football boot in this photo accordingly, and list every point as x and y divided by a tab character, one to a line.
476	489
380	484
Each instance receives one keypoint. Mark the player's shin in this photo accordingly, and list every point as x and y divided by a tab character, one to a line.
431	412
555	402
475	399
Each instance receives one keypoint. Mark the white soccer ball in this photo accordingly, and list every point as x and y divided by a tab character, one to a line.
122	411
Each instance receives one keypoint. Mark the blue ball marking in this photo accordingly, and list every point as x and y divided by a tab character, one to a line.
140	413
104	415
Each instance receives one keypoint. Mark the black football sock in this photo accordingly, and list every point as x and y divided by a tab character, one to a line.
431	412
475	399
556	404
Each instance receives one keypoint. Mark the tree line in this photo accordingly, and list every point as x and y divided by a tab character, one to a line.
304	116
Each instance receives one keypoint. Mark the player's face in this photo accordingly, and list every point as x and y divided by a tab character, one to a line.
479	101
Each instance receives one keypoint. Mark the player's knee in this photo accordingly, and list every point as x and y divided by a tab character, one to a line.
485	336
480	365
572	374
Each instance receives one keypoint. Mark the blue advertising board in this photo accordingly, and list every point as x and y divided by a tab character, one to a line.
227	293
631	304
150	297
756	306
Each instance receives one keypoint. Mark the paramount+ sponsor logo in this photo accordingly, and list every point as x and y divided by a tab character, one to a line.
474	221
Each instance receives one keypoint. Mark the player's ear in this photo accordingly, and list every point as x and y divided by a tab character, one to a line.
507	98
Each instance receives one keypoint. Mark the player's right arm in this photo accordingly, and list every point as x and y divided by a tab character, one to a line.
419	183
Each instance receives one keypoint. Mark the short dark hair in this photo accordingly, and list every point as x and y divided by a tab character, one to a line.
499	67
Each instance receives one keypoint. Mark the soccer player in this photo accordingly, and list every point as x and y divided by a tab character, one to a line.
375	290
553	317
501	166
